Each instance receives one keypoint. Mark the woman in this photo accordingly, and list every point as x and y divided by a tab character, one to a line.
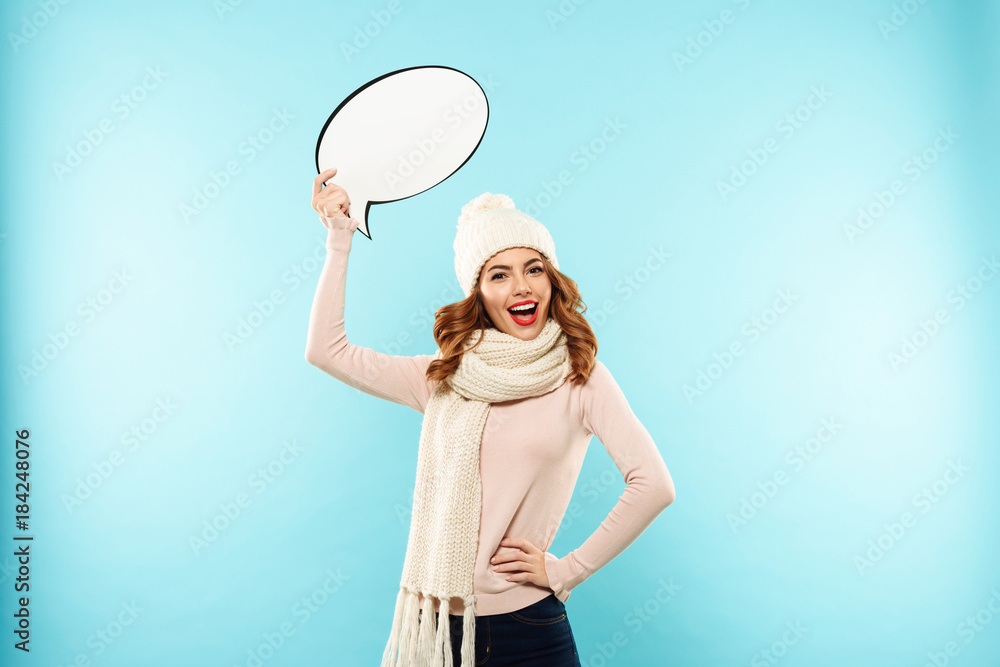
502	441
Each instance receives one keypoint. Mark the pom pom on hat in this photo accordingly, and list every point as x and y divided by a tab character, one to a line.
484	202
490	224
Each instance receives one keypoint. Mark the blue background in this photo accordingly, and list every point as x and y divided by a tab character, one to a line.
894	74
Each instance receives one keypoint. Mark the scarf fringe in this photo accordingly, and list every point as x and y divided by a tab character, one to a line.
426	632
469	634
442	639
421	638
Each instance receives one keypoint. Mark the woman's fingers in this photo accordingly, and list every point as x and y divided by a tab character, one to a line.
521	561
329	199
520	550
520	570
335	198
524	561
332	209
518	543
322	178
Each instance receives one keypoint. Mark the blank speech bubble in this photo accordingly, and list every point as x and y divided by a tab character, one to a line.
401	134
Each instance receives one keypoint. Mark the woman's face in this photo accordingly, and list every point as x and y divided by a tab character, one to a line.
514	277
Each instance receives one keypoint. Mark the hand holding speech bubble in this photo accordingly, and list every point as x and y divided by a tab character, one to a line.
401	134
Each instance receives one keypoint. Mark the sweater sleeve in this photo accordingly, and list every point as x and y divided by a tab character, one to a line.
649	488
399	379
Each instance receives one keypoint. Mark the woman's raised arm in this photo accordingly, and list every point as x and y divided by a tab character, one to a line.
399	379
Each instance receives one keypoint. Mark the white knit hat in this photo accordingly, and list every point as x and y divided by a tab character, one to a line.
490	224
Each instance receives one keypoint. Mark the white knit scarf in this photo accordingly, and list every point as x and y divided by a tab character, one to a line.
447	496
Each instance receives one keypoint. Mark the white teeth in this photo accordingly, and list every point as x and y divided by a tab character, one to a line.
525	307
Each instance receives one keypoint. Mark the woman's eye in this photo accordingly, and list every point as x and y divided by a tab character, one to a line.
531	270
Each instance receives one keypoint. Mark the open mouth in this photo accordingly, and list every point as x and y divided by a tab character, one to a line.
524	314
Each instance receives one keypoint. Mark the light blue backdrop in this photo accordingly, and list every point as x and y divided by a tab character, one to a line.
816	359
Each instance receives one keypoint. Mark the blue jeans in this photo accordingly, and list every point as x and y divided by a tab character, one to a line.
536	636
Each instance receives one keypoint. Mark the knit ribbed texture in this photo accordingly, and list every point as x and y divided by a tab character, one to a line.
490	224
447	496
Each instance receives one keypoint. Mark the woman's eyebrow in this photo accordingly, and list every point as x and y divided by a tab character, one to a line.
504	266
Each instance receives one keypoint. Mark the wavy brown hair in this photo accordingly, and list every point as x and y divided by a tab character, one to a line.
455	323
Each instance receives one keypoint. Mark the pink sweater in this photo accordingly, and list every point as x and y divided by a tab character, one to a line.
531	452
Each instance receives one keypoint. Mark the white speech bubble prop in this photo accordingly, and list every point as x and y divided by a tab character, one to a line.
401	134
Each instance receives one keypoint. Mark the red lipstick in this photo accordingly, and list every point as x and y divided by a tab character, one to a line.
523	320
